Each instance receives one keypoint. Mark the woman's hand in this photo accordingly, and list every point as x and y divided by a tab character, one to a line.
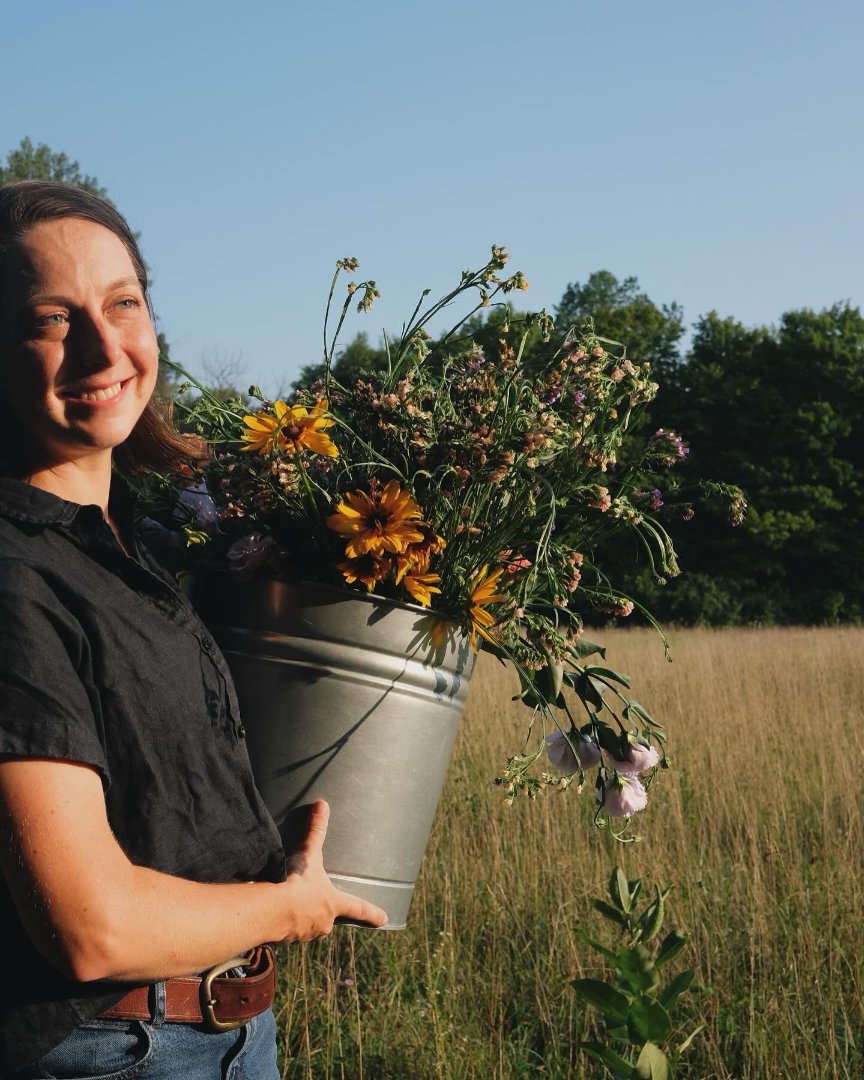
316	903
96	915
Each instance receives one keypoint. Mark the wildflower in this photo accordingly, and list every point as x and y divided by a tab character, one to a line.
602	500
622	795
421	586
669	447
291	428
638	758
383	521
562	756
483	585
367	569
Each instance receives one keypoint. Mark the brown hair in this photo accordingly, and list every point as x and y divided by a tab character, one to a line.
154	443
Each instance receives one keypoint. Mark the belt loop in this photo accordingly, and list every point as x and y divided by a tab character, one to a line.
157	993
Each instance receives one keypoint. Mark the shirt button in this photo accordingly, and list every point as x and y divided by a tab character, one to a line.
207	644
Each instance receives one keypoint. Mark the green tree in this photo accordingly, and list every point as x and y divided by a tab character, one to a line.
778	412
29	162
622	313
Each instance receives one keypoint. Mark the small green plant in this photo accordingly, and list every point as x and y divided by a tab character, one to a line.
636	1004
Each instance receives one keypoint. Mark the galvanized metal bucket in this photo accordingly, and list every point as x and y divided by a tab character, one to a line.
348	698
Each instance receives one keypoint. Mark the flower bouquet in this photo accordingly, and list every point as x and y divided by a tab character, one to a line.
480	480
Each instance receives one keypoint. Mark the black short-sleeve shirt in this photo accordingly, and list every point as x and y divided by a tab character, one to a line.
103	661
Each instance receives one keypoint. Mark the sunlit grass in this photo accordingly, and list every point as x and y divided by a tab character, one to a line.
758	826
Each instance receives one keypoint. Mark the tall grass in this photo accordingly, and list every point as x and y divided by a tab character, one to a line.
758	826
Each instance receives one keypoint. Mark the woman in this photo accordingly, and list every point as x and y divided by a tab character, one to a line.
134	847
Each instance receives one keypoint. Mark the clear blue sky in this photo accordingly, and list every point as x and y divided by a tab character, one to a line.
712	150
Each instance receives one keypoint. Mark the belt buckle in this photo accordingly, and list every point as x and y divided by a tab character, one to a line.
208	1002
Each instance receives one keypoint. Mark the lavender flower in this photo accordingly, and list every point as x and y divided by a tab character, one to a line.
622	796
562	756
639	757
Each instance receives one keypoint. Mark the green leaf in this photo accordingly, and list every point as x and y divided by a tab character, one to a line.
602	996
619	890
609	912
675	988
671	945
603	674
652	1063
651	919
610	954
649	1020
587	690
637	968
582	647
643	714
617	1064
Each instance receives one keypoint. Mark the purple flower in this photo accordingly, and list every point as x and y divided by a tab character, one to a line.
551	395
474	359
249	554
562	757
675	448
639	757
197	501
579	397
622	796
655	499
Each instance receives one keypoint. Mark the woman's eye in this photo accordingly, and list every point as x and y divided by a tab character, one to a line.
55	318
129	303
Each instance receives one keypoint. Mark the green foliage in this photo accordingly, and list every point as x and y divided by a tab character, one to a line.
29	162
777	411
622	313
636	1004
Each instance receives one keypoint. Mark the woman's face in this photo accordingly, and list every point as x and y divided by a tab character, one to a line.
78	352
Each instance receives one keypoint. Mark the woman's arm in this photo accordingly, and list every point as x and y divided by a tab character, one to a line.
95	915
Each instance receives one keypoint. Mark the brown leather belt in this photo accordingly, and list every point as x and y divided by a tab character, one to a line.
219	1002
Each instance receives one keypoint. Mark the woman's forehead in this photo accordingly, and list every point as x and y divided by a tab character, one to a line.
67	254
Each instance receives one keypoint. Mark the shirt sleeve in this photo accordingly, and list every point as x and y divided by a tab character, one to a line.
46	709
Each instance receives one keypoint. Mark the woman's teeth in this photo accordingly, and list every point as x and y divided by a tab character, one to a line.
101	395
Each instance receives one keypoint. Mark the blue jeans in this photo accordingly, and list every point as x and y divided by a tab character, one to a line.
154	1050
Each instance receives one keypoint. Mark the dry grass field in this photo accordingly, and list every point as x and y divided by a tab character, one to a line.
758	827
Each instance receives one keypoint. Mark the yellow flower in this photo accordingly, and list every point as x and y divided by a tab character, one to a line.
421	587
383	521
370	569
483	592
292	428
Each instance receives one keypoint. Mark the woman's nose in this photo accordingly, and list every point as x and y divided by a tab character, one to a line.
95	345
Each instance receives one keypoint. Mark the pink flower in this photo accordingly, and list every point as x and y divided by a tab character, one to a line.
562	757
622	795
639	757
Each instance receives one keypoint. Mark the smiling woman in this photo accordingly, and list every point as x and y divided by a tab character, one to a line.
141	873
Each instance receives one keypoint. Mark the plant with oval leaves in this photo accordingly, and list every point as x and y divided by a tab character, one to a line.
636	1003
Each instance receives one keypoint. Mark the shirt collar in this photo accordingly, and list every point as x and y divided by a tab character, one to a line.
23	502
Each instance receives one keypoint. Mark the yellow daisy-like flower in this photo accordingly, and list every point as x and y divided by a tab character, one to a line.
292	428
421	587
369	569
483	592
374	524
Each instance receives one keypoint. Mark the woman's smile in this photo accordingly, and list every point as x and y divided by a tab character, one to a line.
79	352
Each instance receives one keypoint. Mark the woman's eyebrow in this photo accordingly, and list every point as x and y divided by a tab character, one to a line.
56	298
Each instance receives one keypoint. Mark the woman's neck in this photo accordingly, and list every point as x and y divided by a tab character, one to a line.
86	481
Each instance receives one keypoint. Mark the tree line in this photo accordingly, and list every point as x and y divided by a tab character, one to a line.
774	409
